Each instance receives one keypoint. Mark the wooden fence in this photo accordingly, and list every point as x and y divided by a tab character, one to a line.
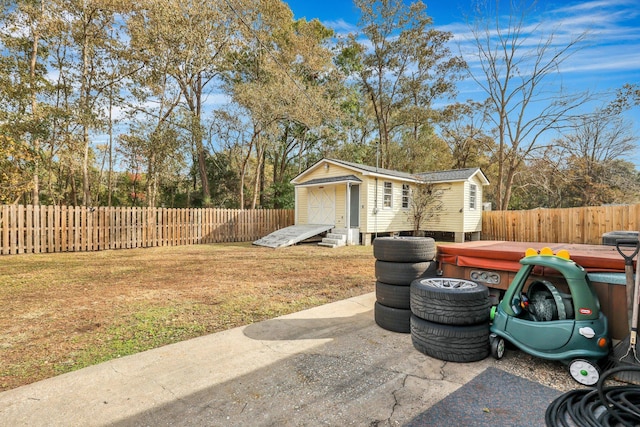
39	229
572	225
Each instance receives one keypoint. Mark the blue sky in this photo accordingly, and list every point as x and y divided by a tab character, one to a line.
609	58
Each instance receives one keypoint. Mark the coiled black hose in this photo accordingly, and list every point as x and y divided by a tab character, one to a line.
611	406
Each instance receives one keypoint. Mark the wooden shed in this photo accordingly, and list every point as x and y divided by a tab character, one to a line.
363	201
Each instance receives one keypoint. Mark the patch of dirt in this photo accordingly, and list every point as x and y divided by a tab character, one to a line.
65	311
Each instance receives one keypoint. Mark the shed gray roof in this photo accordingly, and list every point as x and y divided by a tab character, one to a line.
449	175
433	177
332	180
374	169
438	176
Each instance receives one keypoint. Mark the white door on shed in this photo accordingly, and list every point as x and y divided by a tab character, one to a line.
322	205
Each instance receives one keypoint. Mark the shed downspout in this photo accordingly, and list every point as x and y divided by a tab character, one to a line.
375	209
348	213
295	205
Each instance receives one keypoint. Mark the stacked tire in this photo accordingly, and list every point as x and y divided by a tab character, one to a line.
400	261
450	318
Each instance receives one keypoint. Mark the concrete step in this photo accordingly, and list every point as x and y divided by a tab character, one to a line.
327	245
336	236
336	242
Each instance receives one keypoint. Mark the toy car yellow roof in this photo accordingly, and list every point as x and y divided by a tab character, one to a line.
546	251
560	262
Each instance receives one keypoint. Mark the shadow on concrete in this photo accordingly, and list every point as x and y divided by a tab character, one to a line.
349	380
493	398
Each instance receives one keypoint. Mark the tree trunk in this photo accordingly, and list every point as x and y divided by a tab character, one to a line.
202	171
256	183
34	112
86	188
84	112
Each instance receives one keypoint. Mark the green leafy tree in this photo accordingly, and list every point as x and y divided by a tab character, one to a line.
406	68
23	83
88	25
157	132
16	169
191	39
463	129
224	179
281	78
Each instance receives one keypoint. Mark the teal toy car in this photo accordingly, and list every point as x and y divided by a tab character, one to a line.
560	321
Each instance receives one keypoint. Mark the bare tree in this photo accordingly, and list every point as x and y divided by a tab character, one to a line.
425	204
543	181
517	62
592	148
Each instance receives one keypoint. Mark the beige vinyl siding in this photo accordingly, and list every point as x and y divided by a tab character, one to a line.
366	204
386	220
456	214
450	218
302	205
341	196
473	217
333	171
369	189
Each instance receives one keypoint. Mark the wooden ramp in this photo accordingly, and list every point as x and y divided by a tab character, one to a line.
291	235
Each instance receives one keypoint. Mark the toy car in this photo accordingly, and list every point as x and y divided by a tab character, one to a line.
560	321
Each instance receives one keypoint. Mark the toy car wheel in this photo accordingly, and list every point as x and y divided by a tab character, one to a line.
497	347
585	372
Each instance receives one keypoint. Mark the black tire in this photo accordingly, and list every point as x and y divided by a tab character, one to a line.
403	273
394	296
497	347
450	301
450	343
404	249
392	319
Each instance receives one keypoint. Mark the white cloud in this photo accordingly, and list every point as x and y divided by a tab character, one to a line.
341	26
597	5
609	55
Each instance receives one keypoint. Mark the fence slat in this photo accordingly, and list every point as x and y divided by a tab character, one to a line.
39	229
570	225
